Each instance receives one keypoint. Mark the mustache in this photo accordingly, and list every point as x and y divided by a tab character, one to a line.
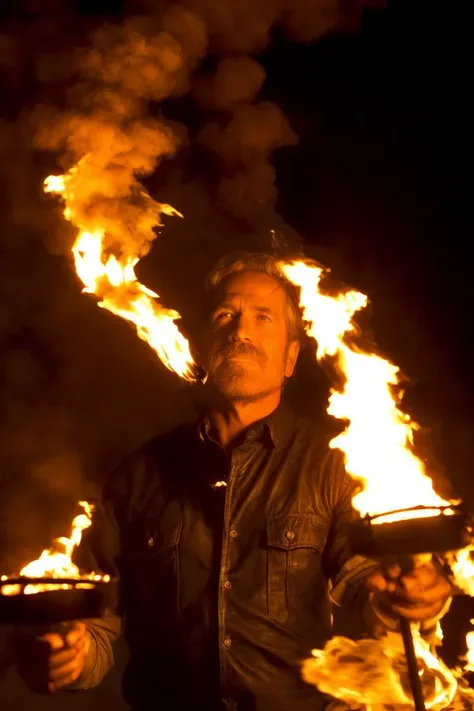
234	349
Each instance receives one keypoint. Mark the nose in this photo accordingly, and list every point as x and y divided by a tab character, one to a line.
240	331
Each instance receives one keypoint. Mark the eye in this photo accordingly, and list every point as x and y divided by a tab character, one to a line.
264	317
222	315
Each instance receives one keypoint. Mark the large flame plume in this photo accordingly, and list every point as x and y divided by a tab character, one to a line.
378	440
112	278
56	562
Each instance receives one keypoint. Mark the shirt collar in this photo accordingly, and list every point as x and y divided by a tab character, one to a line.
270	429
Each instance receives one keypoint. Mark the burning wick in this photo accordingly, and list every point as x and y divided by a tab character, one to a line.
54	564
113	278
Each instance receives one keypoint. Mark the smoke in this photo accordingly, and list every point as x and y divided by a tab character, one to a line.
78	388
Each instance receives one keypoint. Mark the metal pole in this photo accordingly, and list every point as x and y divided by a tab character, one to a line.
412	665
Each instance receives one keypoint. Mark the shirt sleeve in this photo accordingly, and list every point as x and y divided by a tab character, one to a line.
103	633
347	572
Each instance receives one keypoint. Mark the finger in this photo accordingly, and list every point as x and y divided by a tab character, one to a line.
377	582
65	656
65	670
64	682
53	640
76	632
392	571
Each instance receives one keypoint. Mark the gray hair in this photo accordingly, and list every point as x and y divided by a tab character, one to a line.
262	263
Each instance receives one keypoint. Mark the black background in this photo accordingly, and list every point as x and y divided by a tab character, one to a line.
376	188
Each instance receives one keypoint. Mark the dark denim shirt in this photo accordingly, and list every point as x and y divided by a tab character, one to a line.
227	588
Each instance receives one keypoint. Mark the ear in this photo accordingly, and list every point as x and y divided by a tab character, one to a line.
291	358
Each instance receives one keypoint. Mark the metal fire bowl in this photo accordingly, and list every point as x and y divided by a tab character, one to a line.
434	534
52	606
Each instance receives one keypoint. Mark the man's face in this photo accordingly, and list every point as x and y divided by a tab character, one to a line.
248	350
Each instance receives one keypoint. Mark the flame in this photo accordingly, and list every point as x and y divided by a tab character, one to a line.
113	280
371	673
54	563
469	666
377	442
462	568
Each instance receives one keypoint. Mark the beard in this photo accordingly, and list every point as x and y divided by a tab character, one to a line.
245	379
239	379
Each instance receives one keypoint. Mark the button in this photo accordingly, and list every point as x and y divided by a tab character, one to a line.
227	642
151	542
233	533
227	585
290	535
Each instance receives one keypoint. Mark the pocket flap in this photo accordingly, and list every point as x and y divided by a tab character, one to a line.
297	531
152	536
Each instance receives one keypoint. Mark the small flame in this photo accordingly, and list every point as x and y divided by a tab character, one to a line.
462	568
469	666
57	564
377	442
113	280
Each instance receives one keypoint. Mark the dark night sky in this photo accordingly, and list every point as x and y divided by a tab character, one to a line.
376	187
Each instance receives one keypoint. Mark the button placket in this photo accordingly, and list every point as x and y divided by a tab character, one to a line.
226	585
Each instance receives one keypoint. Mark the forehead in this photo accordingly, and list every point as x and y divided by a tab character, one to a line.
253	287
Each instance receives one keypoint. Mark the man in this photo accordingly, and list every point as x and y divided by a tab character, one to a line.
229	534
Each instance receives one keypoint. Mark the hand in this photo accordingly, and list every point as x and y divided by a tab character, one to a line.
418	595
51	661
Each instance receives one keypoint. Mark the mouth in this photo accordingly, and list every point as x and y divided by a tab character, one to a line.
241	356
242	359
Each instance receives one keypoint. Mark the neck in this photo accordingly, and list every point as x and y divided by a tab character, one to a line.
230	419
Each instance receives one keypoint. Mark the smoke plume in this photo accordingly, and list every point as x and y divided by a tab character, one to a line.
114	98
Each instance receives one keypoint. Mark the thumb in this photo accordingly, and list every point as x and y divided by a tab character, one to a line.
75	633
55	641
376	582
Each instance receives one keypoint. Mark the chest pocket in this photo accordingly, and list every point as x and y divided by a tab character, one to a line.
151	580
295	543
